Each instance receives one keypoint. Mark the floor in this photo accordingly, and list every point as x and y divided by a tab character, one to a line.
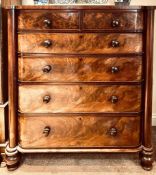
81	164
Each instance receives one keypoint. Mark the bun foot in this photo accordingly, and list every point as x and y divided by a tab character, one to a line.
146	157
12	162
12	158
0	158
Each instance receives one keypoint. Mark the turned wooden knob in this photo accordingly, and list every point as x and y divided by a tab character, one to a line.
47	23
46	99
115	69
46	131
114	99
115	23
113	131
47	69
47	43
115	43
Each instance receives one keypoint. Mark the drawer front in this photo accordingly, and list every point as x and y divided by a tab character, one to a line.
78	131
79	43
79	69
79	98
39	20
113	21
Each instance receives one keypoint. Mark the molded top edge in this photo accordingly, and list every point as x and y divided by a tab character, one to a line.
78	7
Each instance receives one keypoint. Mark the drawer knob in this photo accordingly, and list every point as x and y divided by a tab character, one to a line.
47	69
115	23
114	99
47	23
113	131
47	43
115	69
115	43
46	131
46	99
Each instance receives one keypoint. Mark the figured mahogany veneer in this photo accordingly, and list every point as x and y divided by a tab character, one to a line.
78	131
79	98
47	20
40	19
80	80
79	43
79	69
116	20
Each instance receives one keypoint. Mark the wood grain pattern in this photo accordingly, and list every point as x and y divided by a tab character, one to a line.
103	20
79	98
34	20
79	43
79	69
78	131
12	78
147	152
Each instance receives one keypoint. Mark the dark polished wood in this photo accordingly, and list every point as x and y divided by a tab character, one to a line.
79	43
12	155
12	77
78	131
147	159
113	21
79	98
39	20
83	88
79	69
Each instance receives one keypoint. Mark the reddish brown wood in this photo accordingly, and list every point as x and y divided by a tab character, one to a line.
12	77
12	156
78	131
39	20
79	69
79	43
113	21
79	98
147	153
93	102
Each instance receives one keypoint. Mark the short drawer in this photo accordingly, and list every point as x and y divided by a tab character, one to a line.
116	20
78	131
45	20
79	69
88	43
79	98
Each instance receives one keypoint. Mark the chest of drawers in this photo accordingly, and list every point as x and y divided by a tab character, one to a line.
80	80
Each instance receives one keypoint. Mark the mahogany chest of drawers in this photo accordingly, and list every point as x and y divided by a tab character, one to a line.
80	80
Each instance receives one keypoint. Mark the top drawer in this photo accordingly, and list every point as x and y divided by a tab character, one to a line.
115	20
90	20
47	20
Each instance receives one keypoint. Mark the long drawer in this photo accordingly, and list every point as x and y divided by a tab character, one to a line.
78	131
79	98
79	69
86	43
